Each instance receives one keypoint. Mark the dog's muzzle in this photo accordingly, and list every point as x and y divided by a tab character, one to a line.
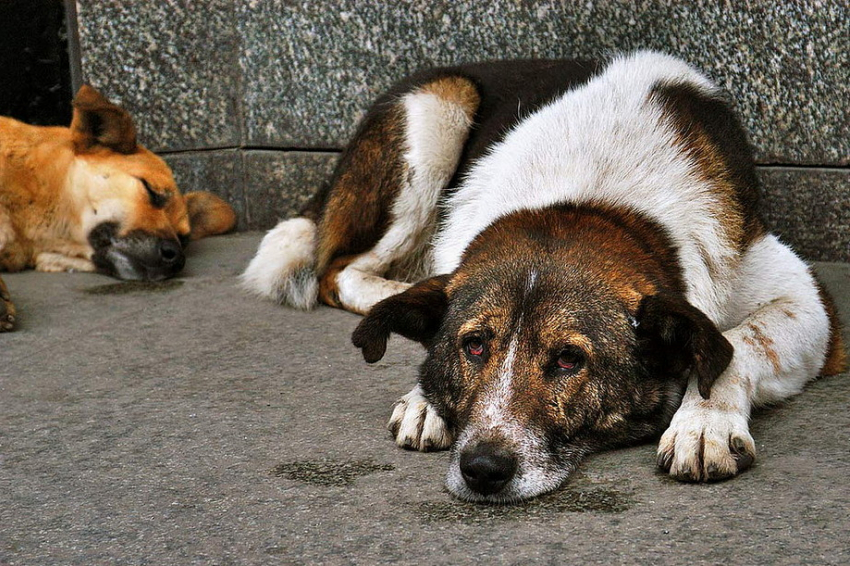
136	256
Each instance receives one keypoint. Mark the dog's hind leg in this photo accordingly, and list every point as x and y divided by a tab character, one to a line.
789	334
379	209
431	125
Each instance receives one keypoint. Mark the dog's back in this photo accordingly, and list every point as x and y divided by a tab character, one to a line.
650	134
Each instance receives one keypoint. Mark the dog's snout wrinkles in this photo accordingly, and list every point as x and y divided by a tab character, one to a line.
487	467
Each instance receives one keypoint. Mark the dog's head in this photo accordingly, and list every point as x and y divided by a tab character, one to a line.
133	215
544	346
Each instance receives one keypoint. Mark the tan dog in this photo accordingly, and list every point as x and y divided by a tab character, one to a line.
89	198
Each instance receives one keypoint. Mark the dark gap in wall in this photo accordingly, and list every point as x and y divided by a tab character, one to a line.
36	83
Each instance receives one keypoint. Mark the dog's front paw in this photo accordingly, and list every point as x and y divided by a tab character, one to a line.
417	426
7	309
706	444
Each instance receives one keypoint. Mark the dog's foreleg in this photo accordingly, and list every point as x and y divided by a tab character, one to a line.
780	343
55	262
7	309
415	424
63	255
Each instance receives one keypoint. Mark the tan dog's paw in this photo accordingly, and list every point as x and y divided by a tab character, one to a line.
417	426
706	444
7	309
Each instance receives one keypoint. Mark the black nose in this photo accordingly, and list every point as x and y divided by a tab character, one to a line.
170	252
487	467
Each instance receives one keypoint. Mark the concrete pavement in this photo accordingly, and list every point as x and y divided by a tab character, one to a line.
187	423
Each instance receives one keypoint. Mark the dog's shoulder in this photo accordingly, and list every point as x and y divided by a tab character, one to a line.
648	133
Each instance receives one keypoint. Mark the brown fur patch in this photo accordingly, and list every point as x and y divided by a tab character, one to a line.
709	133
836	356
369	176
765	344
208	215
328	286
58	184
631	254
457	90
99	123
364	185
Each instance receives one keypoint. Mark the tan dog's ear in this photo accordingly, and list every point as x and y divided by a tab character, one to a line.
98	122
208	215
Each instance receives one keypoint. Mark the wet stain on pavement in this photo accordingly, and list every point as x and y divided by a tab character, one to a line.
327	473
129	287
567	500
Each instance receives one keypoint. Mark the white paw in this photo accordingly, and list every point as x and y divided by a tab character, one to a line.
704	443
51	262
417	426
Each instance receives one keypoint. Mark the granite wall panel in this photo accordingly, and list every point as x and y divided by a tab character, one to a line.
173	63
290	74
278	184
310	71
809	208
220	172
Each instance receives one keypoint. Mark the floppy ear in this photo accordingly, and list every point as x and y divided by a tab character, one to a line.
208	215
416	314
679	337
98	122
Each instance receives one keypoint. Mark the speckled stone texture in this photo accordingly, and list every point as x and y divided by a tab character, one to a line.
220	172
264	187
305	71
786	64
173	64
281	183
809	209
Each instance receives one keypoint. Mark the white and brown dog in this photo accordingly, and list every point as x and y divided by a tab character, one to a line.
89	198
595	270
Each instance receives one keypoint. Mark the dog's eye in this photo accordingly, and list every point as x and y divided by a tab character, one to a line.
158	200
474	347
569	360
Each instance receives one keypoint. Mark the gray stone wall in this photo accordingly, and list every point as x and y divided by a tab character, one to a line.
253	99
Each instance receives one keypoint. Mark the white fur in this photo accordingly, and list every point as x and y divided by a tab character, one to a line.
607	141
360	286
283	267
494	420
56	262
600	142
436	130
780	332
